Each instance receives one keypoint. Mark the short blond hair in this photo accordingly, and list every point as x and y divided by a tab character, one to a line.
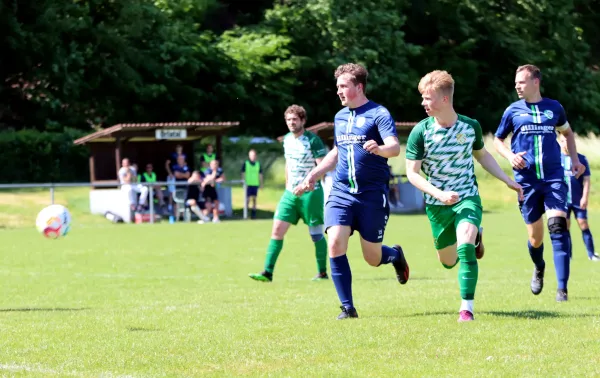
534	71
437	81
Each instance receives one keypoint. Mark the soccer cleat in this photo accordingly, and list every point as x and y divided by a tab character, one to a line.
401	266
594	257
479	248
263	276
347	313
320	277
465	316
537	281
561	295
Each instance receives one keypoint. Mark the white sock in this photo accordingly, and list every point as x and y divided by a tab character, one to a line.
467	305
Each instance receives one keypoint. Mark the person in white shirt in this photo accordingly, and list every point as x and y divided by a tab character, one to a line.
128	180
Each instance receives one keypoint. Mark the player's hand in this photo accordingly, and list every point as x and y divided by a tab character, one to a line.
448	198
517	160
583	203
578	169
517	188
371	146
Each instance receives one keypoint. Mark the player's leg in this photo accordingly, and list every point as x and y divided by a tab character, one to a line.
588	240
467	221
285	216
371	216
311	210
555	202
338	226
215	211
532	209
143	190
191	202
251	193
569	210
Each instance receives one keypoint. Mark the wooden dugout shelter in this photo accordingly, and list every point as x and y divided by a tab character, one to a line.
145	143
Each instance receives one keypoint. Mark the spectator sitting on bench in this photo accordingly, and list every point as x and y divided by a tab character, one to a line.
194	198
128	178
212	177
149	176
182	173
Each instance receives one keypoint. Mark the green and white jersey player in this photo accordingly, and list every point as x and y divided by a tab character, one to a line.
443	147
303	151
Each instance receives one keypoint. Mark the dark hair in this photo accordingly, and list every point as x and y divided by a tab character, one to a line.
359	73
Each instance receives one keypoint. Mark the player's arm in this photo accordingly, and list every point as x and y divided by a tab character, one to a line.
324	165
587	183
220	179
578	168
504	129
413	169
490	164
390	148
387	129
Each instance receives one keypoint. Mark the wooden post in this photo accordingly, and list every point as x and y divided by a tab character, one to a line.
118	156
219	148
92	169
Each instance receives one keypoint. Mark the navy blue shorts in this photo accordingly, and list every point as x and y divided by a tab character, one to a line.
578	211
366	213
542	196
251	191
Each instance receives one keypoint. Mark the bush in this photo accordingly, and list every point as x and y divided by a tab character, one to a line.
30	156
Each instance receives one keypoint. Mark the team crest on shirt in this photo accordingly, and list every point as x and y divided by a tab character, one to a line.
360	121
549	114
461	138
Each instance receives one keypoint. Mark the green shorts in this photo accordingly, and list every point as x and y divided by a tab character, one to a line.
445	219
308	207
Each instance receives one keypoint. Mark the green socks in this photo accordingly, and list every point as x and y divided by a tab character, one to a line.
321	255
273	250
468	271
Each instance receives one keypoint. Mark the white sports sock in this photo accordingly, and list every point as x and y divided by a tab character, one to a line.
467	305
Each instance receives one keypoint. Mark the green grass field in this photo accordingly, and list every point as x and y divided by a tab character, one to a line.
175	300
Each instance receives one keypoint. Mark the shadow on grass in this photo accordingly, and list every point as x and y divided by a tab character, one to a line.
535	314
49	309
525	314
142	329
390	278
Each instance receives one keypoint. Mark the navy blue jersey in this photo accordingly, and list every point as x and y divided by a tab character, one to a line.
534	129
208	171
575	184
357	170
182	169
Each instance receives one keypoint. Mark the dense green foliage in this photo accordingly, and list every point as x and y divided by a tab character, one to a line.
86	63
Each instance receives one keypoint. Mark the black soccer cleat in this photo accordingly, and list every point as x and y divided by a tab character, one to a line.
537	281
561	295
401	266
347	313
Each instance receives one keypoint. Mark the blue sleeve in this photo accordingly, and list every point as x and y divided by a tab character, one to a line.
506	124
385	123
562	116
243	167
584	161
260	169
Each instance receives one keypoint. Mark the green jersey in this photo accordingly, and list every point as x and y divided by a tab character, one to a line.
447	155
301	156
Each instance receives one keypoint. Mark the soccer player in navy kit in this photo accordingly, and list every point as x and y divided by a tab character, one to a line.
577	199
365	137
536	161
